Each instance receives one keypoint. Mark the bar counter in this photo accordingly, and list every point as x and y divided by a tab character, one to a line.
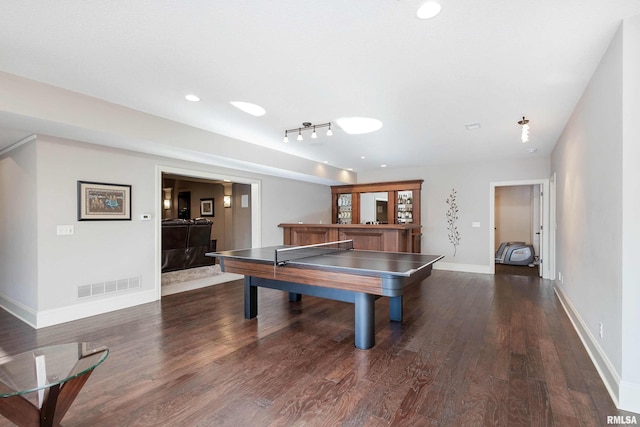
375	237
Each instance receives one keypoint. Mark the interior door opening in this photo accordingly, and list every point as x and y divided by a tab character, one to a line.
200	212
517	229
519	217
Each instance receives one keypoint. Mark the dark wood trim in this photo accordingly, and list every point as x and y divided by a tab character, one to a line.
378	237
374	187
392	188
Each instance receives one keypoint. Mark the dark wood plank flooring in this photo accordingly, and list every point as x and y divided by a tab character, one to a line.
517	270
473	350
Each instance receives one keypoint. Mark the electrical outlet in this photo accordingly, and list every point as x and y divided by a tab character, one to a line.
601	330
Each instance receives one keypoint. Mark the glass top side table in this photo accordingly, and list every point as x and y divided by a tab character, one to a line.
56	373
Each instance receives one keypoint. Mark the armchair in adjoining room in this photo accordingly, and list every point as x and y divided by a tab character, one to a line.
184	243
198	244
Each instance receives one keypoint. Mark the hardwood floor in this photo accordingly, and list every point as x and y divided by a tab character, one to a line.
517	270
473	350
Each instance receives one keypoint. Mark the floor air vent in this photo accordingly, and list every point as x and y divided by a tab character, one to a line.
108	287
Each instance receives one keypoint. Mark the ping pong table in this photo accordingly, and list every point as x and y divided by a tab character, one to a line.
331	270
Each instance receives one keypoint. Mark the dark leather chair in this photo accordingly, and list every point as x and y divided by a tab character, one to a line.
198	244
174	241
184	243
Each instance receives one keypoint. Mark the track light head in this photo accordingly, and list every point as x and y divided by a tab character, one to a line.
306	126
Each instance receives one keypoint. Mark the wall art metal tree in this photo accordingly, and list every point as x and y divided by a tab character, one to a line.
452	217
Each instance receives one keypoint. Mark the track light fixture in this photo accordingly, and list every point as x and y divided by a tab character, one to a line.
525	129
307	126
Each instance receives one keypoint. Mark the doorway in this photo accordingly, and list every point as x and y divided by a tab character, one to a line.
521	205
381	211
240	211
184	205
517	219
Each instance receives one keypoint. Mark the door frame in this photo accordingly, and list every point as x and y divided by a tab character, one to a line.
256	203
545	247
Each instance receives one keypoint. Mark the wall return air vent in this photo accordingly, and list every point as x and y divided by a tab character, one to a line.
108	287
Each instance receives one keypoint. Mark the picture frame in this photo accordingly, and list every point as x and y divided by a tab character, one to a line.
101	201
206	207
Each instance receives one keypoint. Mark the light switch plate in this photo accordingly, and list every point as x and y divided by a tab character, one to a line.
475	224
64	230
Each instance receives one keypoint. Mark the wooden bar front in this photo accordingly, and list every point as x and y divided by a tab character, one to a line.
382	237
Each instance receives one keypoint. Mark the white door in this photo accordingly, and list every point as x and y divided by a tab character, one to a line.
537	224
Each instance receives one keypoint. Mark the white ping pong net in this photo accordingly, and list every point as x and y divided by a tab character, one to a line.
295	253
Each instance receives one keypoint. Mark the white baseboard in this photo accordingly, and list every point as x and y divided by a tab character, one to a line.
19	310
607	372
466	268
93	307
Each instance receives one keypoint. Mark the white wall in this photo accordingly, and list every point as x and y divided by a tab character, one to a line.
19	231
597	188
587	160
288	201
630	384
98	251
44	281
514	214
241	216
472	183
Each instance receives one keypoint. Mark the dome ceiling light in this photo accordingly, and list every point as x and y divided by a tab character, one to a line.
358	125
429	10
249	108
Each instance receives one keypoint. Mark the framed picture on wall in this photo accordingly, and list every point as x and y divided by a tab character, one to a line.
206	207
99	201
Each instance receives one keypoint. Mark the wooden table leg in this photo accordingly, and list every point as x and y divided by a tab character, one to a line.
67	394
49	403
19	410
57	401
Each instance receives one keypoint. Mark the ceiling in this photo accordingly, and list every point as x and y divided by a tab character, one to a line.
479	61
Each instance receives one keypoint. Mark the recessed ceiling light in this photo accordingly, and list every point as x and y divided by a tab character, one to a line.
429	10
472	126
362	157
383	166
358	125
191	97
349	169
249	108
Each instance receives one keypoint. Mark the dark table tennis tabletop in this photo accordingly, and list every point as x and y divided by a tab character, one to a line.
362	262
